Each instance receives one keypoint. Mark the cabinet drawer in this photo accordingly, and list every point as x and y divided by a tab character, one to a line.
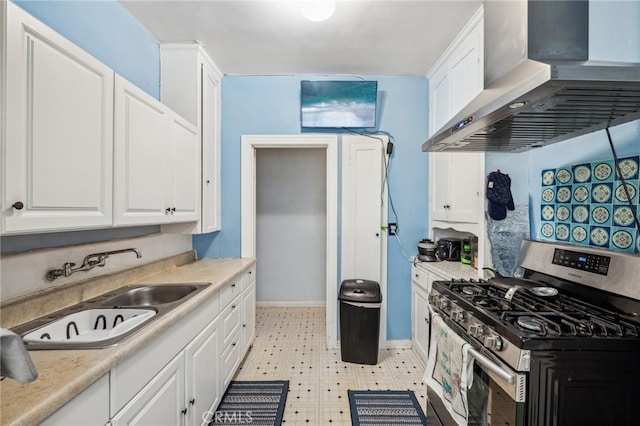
230	358
248	277
230	321
420	277
230	291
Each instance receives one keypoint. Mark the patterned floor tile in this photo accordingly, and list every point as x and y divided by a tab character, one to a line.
290	345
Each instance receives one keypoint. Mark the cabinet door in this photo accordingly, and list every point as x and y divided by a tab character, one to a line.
420	322
141	156
439	185
440	100
466	70
161	402
184	188
455	186
211	102
58	160
230	358
248	316
202	370
465	202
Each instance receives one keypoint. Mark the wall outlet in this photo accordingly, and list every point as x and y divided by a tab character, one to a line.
393	228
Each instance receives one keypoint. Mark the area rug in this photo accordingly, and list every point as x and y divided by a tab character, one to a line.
252	402
385	408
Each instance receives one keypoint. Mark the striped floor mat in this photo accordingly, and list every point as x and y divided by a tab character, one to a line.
385	408
253	402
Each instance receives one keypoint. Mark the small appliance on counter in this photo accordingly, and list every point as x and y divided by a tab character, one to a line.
466	255
449	249
427	251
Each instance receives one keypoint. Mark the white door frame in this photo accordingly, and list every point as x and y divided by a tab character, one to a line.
250	143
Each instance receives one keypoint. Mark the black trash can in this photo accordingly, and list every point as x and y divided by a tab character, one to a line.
360	302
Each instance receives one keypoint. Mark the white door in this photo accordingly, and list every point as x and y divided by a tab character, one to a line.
364	213
58	161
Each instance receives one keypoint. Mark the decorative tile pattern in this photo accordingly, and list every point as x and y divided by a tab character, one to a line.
587	204
290	345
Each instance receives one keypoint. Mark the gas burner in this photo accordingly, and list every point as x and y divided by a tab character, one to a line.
531	323
471	290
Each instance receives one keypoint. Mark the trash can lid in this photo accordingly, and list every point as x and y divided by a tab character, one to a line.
362	291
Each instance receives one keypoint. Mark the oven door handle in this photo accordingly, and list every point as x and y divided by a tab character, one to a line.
507	376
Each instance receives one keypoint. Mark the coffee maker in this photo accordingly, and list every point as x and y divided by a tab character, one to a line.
427	251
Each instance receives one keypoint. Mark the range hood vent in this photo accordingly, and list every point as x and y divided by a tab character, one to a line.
541	87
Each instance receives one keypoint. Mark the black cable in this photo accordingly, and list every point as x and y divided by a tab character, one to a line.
624	183
387	164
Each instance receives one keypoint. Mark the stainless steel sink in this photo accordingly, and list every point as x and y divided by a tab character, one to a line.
108	319
151	295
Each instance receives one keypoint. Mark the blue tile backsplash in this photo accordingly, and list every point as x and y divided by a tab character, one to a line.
586	204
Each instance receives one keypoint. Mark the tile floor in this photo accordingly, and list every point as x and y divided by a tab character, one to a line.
290	345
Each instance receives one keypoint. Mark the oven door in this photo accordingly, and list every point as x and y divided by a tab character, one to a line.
496	397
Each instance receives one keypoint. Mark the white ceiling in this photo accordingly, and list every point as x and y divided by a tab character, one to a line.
272	37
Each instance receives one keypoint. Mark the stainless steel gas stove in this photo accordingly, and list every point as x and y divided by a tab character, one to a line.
559	345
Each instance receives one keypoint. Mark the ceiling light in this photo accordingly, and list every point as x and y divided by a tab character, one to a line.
317	10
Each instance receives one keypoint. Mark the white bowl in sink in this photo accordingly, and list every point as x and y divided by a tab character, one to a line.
90	325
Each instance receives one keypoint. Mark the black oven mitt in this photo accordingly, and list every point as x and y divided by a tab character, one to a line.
499	195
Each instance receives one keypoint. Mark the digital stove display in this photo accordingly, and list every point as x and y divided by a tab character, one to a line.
598	264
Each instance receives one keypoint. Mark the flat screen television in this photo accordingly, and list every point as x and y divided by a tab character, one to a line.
334	104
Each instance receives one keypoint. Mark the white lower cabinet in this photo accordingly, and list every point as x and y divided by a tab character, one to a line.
89	408
231	338
184	391
161	402
420	317
248	316
420	322
202	375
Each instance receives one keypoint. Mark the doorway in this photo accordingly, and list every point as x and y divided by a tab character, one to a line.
327	143
291	225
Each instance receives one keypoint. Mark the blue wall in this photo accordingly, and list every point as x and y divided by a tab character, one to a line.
271	105
107	31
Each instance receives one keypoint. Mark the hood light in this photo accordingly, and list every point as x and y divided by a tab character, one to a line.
517	105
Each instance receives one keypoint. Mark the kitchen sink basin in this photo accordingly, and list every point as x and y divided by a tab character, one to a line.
151	295
106	320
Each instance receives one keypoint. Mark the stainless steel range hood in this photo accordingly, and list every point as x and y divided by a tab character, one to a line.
540	87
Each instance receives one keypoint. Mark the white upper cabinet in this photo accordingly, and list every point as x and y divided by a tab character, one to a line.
58	131
456	187
184	184
458	76
157	161
191	85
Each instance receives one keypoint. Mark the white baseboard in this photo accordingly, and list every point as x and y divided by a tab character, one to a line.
290	303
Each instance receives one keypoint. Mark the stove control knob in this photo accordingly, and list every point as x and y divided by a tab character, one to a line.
493	342
442	303
476	330
457	315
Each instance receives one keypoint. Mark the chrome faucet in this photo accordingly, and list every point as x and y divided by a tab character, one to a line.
90	261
